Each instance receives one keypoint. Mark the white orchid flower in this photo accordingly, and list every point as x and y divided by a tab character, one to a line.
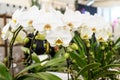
102	35
61	37
5	31
89	21
99	23
48	20
85	17
86	32
14	22
72	19
27	17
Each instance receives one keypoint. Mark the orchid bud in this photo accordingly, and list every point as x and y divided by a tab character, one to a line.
40	37
111	43
69	49
102	47
92	54
74	46
88	45
106	44
5	60
26	40
34	46
74	61
66	55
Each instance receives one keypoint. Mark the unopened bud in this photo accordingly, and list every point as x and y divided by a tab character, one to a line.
5	60
102	47
106	44
88	45
66	55
73	61
111	43
69	49
40	37
26	40
74	46
34	46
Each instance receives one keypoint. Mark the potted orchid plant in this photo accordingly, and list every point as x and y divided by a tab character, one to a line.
85	46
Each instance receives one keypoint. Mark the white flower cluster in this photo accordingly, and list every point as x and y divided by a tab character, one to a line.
58	27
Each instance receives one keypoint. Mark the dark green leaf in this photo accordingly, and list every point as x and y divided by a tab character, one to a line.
118	40
79	61
55	61
4	73
35	58
104	74
39	76
29	68
51	62
88	67
110	66
105	68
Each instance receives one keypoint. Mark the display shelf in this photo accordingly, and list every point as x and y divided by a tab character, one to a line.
5	43
5	16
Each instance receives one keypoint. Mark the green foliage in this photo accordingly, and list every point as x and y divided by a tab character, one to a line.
4	73
40	69
39	73
88	67
39	76
95	61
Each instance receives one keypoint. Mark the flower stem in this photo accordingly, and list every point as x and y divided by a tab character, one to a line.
31	48
88	58
10	56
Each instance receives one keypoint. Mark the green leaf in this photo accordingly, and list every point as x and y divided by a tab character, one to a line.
79	61
118	40
88	67
105	74
29	68
40	76
25	49
48	76
82	48
109	57
4	73
35	58
26	77
105	68
60	52
51	62
55	61
110	66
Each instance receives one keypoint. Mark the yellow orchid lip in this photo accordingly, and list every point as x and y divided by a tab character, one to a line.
14	21
30	23
101	39
58	42
47	27
94	29
70	25
85	37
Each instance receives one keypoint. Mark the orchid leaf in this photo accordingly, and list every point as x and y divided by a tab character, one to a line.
51	62
35	58
39	76
4	73
105	73
88	67
79	61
